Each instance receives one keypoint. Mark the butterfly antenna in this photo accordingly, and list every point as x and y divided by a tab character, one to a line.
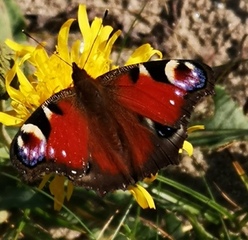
99	30
105	15
43	46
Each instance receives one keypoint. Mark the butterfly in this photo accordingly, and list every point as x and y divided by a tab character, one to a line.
112	131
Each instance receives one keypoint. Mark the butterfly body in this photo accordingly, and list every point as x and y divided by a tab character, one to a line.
110	132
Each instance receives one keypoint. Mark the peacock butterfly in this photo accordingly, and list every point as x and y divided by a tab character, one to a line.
107	133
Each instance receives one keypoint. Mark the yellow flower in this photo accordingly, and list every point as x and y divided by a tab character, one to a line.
53	73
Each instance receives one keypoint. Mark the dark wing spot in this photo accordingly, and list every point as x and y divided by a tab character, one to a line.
156	70
54	108
134	74
39	119
25	137
164	131
182	67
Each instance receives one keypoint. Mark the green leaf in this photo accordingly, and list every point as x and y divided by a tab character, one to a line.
203	199
228	123
228	115
5	21
15	19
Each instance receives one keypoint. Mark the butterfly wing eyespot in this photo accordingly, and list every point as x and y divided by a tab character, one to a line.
185	75
107	133
30	145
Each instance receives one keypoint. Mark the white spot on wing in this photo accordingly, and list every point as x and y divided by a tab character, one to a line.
47	112
149	122
42	148
20	142
26	151
33	153
63	153
190	66
51	152
143	70
178	93
74	172
172	102
33	129
170	70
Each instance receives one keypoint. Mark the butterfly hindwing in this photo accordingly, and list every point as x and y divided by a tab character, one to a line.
107	133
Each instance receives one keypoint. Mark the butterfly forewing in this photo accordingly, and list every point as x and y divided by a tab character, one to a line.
165	91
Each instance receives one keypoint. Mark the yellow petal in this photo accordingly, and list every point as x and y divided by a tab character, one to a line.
150	179
70	189
63	40
96	26
195	128
39	59
57	189
143	198
20	49
143	54
45	179
21	111
102	38
187	146
13	93
9	120
75	50
83	22
26	88
111	42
